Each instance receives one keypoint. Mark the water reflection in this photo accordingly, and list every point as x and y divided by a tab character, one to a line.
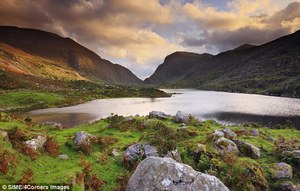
224	107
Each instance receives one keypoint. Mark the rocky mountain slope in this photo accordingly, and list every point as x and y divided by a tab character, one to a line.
43	54
272	68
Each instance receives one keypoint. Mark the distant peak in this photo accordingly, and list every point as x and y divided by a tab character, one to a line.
244	46
182	53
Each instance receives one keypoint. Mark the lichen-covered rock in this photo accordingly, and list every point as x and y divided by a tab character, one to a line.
181	117
83	138
158	115
293	155
218	133
150	150
63	157
54	124
248	149
281	171
254	132
133	152
287	186
229	134
224	145
156	173
36	143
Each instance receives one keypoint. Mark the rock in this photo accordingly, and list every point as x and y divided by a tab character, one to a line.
63	157
200	148
158	115
248	149
133	152
270	139
281	171
54	124
218	133
156	173
229	134
150	150
224	145
254	132
181	117
175	155
36	142
3	134
294	155
82	137
287	186
115	153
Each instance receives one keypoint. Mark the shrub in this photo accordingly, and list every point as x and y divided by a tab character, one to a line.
27	177
7	159
105	142
29	152
122	181
281	144
51	147
85	148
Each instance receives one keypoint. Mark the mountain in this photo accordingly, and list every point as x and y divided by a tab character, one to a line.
272	69
43	54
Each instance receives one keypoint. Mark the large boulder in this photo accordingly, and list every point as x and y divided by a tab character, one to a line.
156	173
158	115
36	143
224	145
281	171
82	137
248	149
181	117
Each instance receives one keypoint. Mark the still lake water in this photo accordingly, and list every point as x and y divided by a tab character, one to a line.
227	108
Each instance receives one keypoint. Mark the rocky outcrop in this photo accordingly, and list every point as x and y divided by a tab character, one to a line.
281	171
158	115
224	145
139	151
248	149
36	143
181	117
156	173
83	138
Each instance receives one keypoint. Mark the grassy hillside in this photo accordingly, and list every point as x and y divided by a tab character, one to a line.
238	172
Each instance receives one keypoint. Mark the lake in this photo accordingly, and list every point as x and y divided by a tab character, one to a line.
226	108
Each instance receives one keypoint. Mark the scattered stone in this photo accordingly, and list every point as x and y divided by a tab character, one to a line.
150	150
133	152
224	145
63	157
36	142
243	131
181	117
175	155
229	134
294	155
254	132
156	173
270	139
248	149
281	171
83	137
4	134
218	133
158	115
115	153
54	124
287	186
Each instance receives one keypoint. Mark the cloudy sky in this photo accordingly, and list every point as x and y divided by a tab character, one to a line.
138	34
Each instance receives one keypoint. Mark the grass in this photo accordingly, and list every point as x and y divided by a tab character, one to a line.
231	170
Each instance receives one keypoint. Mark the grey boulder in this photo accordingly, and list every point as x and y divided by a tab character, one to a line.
158	115
36	143
281	171
181	117
224	145
229	134
83	138
156	173
248	149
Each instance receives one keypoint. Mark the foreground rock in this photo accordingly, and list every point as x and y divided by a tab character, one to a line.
83	138
181	117
36	143
281	171
158	115
288	187
156	173
248	149
224	145
229	134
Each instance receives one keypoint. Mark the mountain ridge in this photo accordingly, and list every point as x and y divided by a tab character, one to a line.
67	54
272	68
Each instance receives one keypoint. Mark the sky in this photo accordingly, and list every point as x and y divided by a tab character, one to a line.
139	34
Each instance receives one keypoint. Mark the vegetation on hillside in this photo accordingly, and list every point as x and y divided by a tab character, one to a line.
96	166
